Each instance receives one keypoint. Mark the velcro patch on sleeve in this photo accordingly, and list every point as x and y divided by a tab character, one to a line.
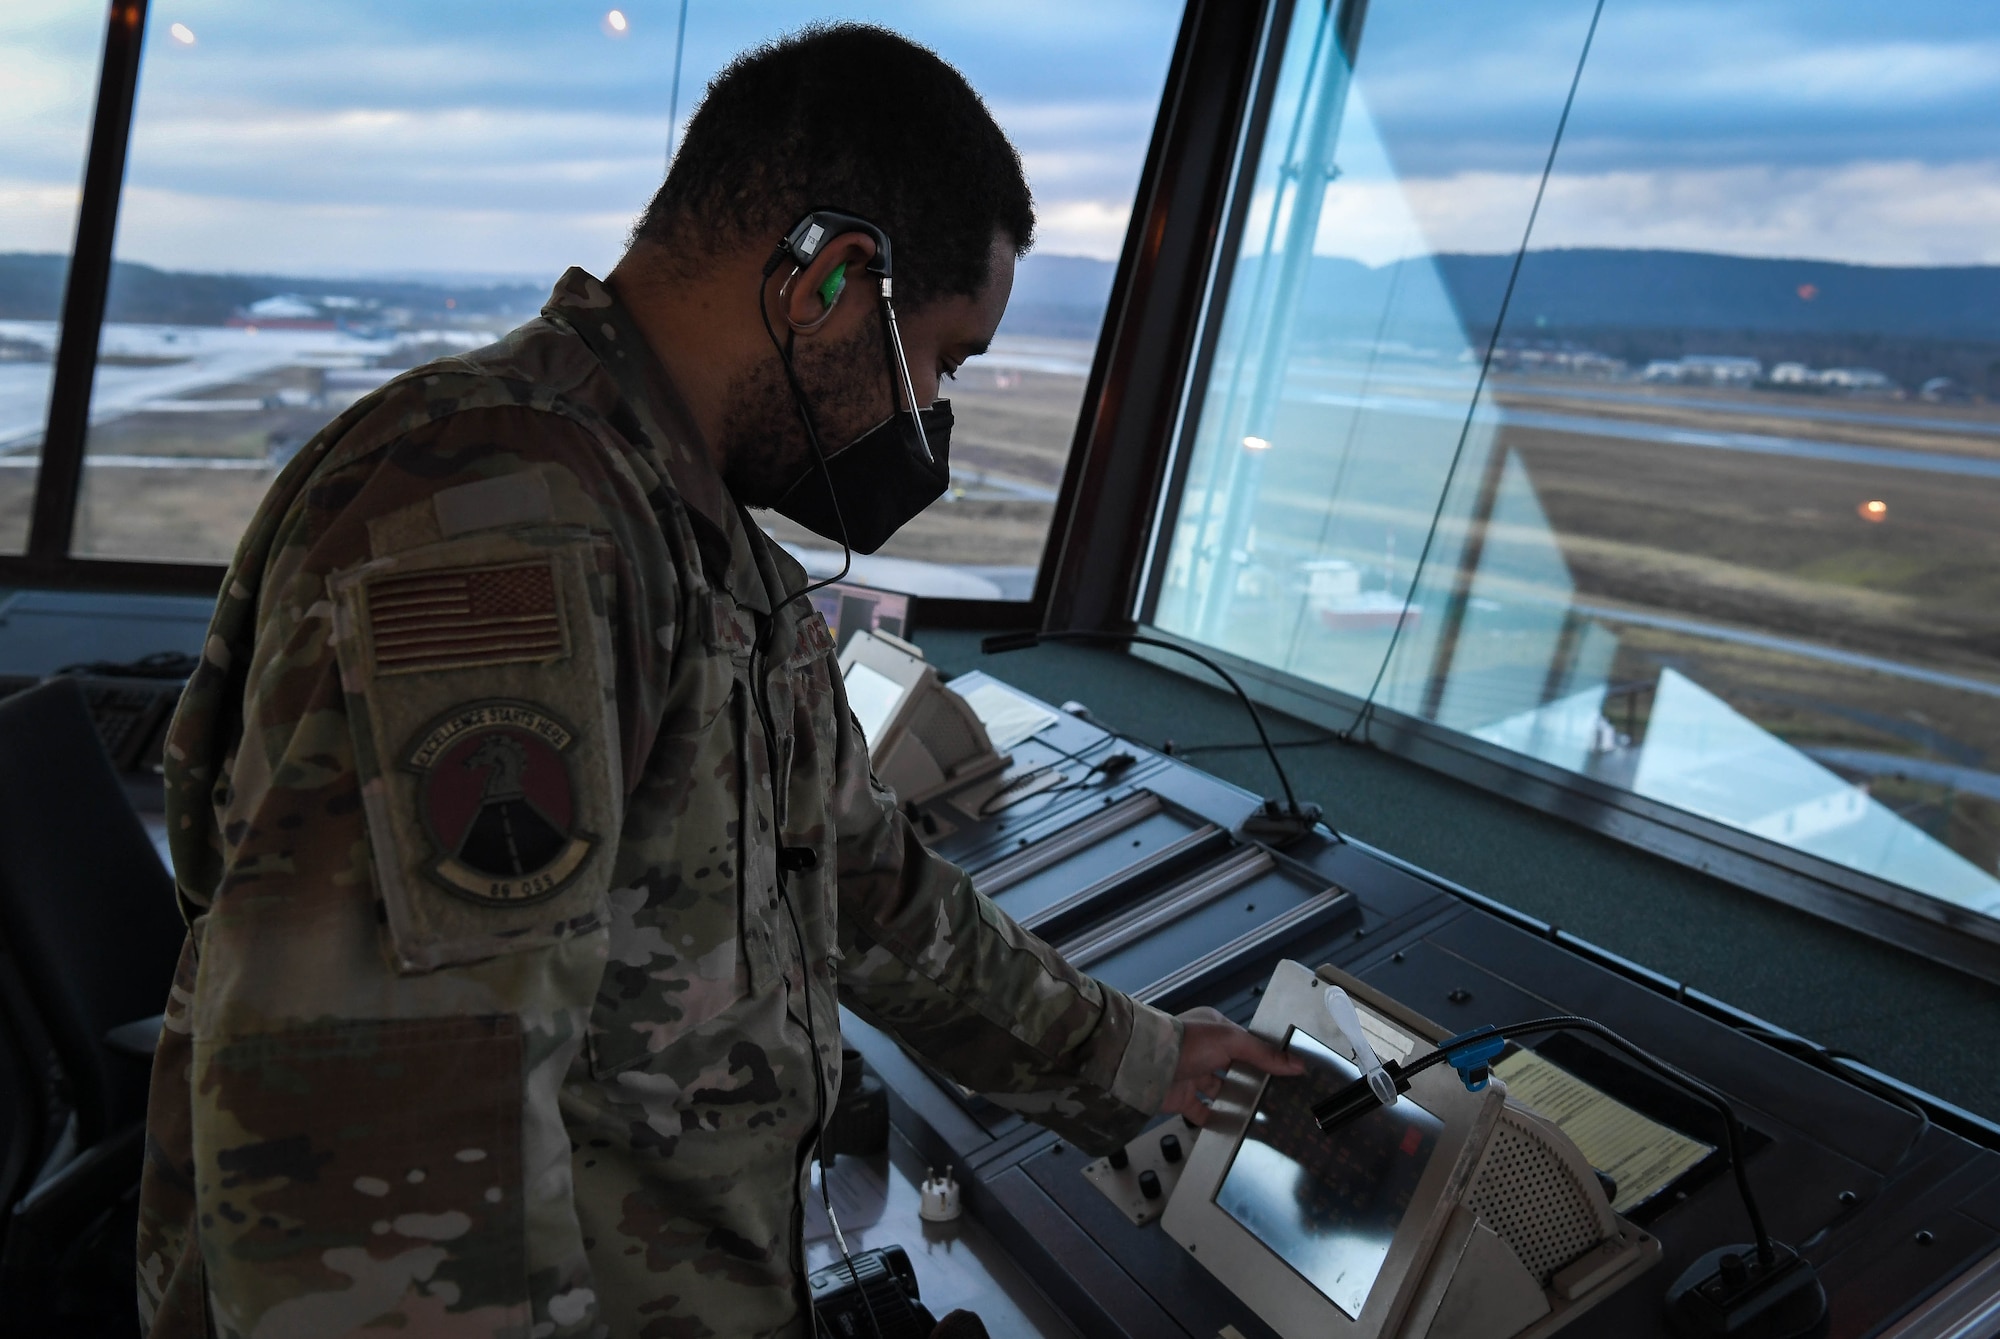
498	802
480	688
465	618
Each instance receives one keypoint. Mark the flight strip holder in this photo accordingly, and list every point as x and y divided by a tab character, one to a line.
1453	1214
923	738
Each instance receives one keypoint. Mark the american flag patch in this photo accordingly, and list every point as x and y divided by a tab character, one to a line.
465	617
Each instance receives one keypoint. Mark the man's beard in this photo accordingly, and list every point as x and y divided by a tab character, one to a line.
764	446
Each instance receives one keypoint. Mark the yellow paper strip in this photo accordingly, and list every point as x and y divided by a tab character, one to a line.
1640	1154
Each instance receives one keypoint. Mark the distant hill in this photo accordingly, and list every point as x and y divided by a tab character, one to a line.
1691	290
1637	305
1058	296
31	289
1912	322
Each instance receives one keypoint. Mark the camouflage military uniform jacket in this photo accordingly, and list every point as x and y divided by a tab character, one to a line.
491	1019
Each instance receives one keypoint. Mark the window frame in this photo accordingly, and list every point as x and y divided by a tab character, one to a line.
1135	373
1875	907
47	562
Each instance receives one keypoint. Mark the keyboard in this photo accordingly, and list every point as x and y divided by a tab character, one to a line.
131	715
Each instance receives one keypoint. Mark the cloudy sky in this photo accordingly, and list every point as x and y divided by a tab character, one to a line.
503	136
1835	129
516	136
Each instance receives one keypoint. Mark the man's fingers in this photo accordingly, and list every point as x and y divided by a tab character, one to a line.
1263	1054
1208	1085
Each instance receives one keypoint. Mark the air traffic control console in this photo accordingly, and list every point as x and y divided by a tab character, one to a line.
1569	1195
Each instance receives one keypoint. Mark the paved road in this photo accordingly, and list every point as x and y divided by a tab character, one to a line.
1822	411
1792	646
1773	405
209	356
1623	429
1868	762
98	460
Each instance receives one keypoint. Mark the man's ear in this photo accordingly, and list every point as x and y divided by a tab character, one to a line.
810	297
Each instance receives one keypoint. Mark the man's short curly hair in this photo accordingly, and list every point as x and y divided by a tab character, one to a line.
855	118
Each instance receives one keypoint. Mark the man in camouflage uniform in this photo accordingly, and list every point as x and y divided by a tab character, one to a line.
526	839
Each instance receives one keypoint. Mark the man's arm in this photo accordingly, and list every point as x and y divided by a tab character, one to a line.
995	1007
387	999
952	976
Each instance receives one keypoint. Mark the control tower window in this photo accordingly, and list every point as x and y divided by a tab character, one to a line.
319	197
1648	444
49	55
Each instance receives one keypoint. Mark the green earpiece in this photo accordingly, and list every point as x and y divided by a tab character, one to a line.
830	291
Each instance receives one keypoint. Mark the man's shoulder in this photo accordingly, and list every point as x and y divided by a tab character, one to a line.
533	402
517	383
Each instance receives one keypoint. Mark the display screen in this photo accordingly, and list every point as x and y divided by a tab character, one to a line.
849	608
1327	1204
873	696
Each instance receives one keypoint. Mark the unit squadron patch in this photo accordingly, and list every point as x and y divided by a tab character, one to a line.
497	800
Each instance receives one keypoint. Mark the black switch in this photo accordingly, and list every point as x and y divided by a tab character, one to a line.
1149	1184
1120	1159
1170	1147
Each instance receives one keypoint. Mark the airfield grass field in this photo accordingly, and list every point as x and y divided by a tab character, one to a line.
1012	429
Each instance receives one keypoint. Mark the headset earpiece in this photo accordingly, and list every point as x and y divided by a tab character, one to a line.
828	291
836	283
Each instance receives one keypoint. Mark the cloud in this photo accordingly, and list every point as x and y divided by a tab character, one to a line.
1883	213
377	134
533	162
216	232
1083	227
1877	74
1774	129
1465	85
35	216
48	88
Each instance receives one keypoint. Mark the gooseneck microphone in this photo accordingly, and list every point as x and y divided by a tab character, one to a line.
1272	823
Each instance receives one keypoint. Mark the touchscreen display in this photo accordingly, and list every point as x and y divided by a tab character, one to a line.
1328	1205
873	696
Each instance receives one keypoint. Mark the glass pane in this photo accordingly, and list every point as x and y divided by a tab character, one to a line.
1338	398
49	54
318	197
1717	525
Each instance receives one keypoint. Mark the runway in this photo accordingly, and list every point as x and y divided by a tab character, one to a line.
1632	430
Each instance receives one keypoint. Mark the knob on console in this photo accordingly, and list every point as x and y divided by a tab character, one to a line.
1149	1184
1170	1147
1119	1159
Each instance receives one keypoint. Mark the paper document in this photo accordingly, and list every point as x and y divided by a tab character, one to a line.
1390	1042
1008	717
1643	1156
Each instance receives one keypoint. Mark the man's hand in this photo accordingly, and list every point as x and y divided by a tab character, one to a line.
1209	1044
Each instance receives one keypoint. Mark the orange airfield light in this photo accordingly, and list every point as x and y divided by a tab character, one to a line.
1874	510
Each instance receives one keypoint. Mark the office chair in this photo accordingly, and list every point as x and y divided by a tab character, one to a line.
89	936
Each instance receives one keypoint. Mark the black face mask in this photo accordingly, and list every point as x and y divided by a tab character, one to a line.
881	480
